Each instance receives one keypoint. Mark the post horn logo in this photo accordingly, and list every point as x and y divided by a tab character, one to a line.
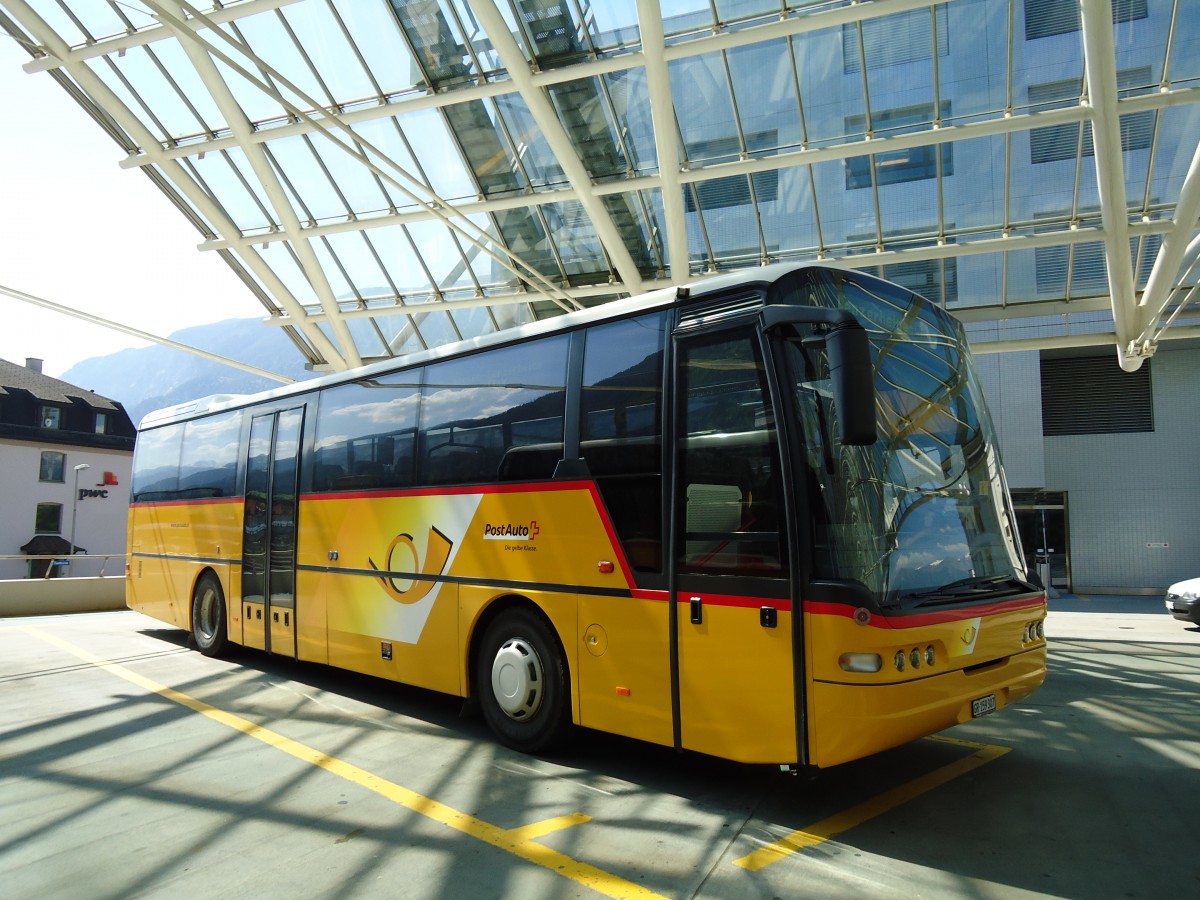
968	635
411	588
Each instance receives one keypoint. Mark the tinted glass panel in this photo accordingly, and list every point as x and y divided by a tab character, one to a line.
622	427
255	523
495	415
208	461
156	464
366	433
729	475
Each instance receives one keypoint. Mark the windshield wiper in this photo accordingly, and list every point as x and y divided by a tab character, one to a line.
964	589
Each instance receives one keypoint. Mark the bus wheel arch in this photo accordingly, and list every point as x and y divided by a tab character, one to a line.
520	677
209	616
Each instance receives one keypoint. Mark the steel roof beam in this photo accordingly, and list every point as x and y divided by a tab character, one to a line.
590	69
152	34
1100	65
142	335
812	156
329	123
557	139
212	79
886	257
1066	341
666	144
171	169
1176	246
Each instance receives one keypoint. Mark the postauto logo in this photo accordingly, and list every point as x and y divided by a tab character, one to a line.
510	531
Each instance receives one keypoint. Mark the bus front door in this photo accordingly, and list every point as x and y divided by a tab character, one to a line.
734	667
269	533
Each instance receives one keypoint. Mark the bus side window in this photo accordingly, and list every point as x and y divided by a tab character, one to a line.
365	433
156	464
621	430
480	412
729	459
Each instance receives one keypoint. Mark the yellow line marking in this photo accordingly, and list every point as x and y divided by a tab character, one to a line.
548	826
822	831
517	841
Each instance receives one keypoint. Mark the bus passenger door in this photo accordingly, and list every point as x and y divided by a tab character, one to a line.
269	533
733	610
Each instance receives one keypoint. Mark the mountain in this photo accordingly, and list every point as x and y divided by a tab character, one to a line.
150	378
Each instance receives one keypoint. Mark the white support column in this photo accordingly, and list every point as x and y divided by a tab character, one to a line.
178	176
662	113
1099	54
239	124
557	139
1175	246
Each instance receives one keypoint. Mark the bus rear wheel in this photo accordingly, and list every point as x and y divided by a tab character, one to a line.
208	616
521	682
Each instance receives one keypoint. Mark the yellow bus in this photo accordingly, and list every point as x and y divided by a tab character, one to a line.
761	518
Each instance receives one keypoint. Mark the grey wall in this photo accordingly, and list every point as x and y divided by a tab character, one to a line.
1125	491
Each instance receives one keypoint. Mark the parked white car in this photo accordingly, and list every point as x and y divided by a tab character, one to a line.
1183	600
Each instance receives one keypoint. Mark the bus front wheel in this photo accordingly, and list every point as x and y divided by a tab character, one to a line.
522	683
208	616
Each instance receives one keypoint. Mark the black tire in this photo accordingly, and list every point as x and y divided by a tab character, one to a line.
522	683
209	628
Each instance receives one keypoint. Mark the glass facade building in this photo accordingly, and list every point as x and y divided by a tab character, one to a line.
389	176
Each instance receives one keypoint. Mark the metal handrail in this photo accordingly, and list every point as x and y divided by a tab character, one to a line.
24	557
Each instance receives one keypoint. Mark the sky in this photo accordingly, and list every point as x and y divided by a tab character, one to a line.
79	231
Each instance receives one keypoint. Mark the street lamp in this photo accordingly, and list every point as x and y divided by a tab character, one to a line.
74	502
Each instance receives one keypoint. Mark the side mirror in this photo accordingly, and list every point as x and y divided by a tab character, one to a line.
849	353
853	382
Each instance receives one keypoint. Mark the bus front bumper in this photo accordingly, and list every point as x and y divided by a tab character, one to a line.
850	721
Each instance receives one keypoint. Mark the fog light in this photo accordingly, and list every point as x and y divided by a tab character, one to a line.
929	656
899	660
860	662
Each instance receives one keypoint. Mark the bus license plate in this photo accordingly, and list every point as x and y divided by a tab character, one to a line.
983	706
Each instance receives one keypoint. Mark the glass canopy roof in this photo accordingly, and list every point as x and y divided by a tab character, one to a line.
389	176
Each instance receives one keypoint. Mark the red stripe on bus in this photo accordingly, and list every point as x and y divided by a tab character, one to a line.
207	501
921	619
453	490
734	600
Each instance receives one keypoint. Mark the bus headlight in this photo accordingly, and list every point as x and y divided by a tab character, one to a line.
860	662
900	660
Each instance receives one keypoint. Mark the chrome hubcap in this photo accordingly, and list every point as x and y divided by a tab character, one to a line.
517	679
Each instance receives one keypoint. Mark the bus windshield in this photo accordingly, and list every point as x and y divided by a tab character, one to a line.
922	516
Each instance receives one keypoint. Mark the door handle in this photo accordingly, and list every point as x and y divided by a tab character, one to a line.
697	612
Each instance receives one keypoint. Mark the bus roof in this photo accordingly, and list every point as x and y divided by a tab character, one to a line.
648	302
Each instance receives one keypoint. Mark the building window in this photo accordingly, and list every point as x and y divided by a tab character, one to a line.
1058	142
1086	265
52	466
890	40
101	423
898	166
721	193
1044	18
51	417
1093	395
49	519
